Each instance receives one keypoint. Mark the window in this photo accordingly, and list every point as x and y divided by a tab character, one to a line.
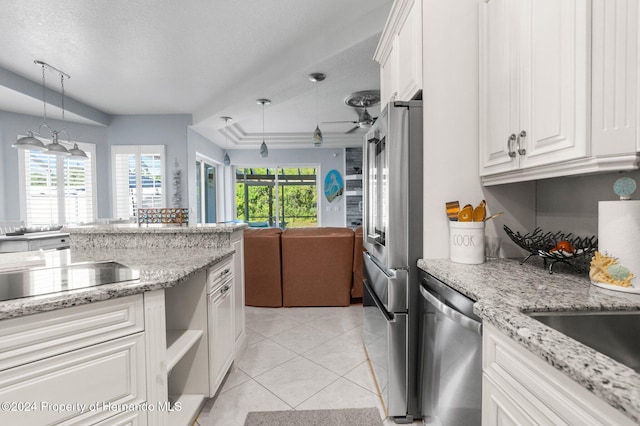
46	202
284	197
138	179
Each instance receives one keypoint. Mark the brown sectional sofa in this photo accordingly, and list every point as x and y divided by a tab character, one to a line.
262	270
303	266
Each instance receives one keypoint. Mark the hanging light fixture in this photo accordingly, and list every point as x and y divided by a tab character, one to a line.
54	148
264	151
317	77
227	160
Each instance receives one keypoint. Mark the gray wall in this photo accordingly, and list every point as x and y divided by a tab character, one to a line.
571	203
168	130
331	214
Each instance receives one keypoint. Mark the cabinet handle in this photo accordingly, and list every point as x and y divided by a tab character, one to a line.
225	272
522	135
510	141
224	289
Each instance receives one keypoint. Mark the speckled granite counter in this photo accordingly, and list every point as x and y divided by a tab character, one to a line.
213	235
504	289
159	268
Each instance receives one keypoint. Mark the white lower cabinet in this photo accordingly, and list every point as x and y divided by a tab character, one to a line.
237	242
126	419
80	387
221	333
521	389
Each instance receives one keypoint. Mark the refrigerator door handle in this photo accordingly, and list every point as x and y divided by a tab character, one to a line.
387	315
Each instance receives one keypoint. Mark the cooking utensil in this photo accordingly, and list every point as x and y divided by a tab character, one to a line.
493	215
453	208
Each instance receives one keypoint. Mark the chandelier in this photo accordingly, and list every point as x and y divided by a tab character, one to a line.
54	148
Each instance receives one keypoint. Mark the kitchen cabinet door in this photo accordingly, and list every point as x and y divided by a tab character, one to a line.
399	53
498	86
553	81
238	292
533	84
221	334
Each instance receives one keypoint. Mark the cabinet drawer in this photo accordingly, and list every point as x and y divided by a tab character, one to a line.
219	274
533	383
38	336
91	384
136	418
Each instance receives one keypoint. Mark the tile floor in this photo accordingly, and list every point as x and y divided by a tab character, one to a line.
296	359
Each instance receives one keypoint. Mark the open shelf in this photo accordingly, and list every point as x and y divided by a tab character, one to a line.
190	406
353	177
178	344
354	193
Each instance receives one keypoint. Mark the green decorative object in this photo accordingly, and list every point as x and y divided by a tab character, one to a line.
618	272
624	187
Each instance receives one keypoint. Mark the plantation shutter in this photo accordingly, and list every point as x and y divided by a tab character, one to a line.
138	178
41	188
48	203
79	187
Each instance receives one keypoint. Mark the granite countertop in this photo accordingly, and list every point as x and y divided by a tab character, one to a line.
159	268
133	228
504	289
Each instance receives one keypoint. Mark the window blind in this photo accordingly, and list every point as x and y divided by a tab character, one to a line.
138	178
58	190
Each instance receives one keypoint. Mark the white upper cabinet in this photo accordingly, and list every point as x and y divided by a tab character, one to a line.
615	77
533	85
399	52
558	88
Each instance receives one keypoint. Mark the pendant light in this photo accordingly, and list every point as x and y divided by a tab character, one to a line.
317	77
54	148
264	151
227	160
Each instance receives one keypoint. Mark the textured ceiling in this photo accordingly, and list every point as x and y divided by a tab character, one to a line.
206	58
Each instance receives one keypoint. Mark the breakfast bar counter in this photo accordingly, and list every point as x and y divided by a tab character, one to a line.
505	291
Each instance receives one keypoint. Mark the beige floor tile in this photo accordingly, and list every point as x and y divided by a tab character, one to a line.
296	380
302	338
340	394
271	327
252	313
231	408
353	335
263	356
234	378
337	324
337	355
308	314
253	336
362	376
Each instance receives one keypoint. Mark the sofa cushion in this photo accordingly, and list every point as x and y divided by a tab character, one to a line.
262	267
317	266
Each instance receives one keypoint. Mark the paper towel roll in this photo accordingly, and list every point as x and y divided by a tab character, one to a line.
619	233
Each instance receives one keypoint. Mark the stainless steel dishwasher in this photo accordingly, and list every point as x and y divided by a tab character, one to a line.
451	356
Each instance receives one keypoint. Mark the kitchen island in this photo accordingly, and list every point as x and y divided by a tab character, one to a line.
145	351
505	291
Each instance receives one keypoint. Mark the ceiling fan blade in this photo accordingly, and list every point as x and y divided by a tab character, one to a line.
330	122
353	129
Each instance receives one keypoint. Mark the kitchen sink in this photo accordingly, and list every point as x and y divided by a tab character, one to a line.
613	333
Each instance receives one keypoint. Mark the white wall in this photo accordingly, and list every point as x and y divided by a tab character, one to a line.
330	214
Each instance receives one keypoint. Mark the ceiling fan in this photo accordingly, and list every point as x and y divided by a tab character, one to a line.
364	99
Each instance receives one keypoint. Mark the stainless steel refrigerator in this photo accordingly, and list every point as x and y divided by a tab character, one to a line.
393	161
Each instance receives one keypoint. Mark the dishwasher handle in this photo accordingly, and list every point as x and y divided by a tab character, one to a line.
456	316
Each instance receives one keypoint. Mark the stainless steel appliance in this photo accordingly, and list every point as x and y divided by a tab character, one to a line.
393	239
45	280
451	357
